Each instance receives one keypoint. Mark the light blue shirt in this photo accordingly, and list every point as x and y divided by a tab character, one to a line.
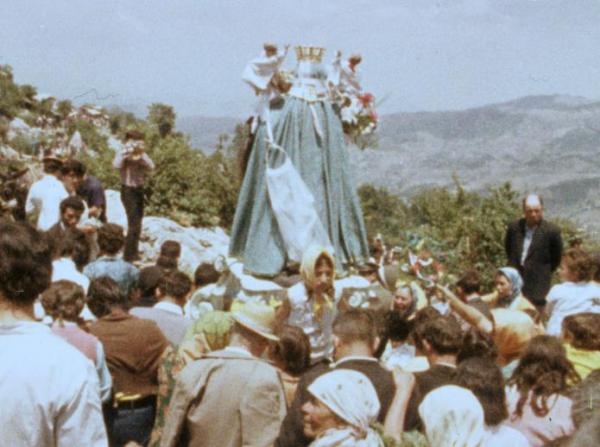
122	272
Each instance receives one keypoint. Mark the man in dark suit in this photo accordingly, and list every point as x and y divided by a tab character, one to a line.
71	210
355	342
534	247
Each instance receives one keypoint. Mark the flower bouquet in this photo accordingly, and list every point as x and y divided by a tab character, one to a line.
359	118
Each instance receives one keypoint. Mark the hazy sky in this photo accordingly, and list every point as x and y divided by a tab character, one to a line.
417	54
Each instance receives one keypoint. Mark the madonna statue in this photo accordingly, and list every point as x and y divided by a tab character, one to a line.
305	123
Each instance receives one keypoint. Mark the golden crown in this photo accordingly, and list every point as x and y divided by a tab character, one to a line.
314	54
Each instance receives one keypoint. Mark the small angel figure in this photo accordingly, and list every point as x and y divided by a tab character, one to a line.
260	74
345	76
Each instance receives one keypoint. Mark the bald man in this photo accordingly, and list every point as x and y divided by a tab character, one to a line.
534	247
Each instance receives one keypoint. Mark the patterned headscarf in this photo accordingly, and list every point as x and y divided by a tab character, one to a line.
514	277
351	396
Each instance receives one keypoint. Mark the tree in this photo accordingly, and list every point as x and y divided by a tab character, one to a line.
162	117
64	108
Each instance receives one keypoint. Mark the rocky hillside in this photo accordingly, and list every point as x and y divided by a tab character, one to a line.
543	143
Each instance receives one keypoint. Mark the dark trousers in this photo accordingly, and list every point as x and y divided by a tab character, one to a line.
131	424
133	201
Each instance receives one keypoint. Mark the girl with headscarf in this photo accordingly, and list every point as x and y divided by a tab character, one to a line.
339	413
508	285
311	302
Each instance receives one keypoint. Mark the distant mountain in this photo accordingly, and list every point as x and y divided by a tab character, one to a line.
204	131
549	144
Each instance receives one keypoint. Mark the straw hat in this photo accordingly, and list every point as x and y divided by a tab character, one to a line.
257	317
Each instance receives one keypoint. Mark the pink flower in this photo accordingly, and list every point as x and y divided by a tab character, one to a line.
373	115
366	99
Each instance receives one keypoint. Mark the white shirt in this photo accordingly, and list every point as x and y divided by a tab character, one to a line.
169	307
527	242
49	391
502	436
44	198
64	268
569	298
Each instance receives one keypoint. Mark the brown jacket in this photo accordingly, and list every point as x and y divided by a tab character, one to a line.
225	399
133	350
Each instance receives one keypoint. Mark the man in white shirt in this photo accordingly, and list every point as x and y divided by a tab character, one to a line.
172	292
50	393
46	194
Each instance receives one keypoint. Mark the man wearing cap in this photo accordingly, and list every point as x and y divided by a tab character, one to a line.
534	247
134	166
230	398
46	194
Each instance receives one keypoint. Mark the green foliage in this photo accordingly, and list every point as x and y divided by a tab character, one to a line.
188	186
463	229
384	213
22	144
63	108
10	96
90	135
162	118
120	121
99	164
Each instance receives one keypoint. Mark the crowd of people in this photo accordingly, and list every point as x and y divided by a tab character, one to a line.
98	351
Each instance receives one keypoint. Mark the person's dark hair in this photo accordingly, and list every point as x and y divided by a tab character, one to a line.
148	280
75	167
476	343
205	274
469	282
292	350
25	263
166	262
52	166
175	284
398	327
170	249
425	314
103	294
484	378
443	335
134	135
64	300
584	330
75	245
110	238
355	325
579	263
381	330
543	370
73	202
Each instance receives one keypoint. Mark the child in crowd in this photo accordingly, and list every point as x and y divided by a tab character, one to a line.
581	337
64	301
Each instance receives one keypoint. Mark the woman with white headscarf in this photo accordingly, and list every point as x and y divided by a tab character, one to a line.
453	417
340	410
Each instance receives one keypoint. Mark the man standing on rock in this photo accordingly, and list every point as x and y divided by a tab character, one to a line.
534	247
134	165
